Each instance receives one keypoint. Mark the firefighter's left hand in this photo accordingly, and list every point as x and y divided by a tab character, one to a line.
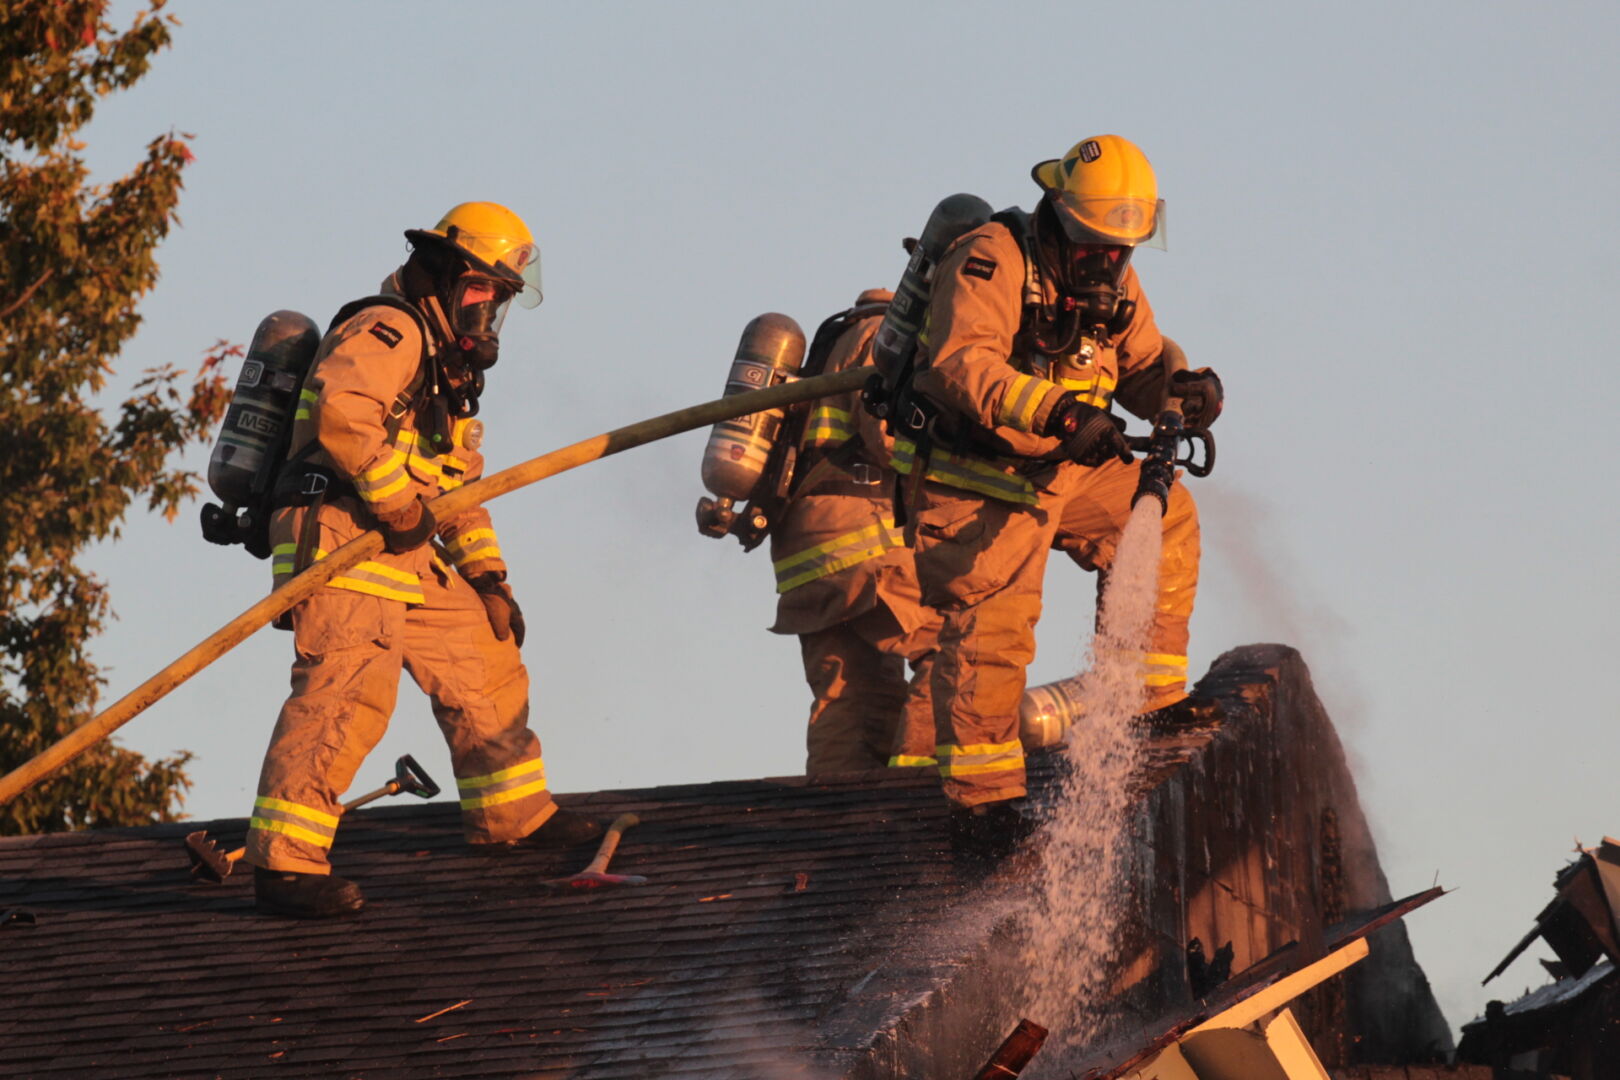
1201	396
505	617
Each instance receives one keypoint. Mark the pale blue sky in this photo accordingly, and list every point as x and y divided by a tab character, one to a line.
1392	230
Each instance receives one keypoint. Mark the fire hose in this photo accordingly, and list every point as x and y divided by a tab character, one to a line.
363	547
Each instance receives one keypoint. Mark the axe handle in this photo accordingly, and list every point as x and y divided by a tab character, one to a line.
610	843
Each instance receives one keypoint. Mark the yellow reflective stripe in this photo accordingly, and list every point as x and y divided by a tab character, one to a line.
466	783
507	785
466	539
1020	401
829	425
900	761
462	551
1097	390
318	817
475	802
1163	669
288	829
306	398
377	588
978	758
869	532
837	554
371	578
383	471
965	473
380	481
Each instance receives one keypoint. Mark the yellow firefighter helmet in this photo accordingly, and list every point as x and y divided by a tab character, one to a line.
1104	192
493	239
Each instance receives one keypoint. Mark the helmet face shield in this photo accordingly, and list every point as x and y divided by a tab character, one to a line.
517	261
1132	222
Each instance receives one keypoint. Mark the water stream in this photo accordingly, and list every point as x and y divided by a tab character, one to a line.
1081	895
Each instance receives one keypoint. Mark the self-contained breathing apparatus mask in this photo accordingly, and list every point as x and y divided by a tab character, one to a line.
1088	278
465	309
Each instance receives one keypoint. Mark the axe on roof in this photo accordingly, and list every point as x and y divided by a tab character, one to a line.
211	864
369	544
595	876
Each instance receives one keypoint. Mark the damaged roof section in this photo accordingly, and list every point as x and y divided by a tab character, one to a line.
785	929
1571	1026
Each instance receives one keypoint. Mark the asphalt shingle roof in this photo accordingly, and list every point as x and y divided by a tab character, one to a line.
787	929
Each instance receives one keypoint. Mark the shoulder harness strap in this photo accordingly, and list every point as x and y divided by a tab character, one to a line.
406	397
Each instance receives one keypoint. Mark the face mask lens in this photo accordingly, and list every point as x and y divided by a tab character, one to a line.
480	307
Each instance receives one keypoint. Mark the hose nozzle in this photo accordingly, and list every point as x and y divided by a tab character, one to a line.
1159	463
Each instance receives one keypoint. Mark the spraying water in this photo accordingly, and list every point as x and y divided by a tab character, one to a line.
1072	929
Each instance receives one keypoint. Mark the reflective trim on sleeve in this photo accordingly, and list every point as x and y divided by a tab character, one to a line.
379	482
839	553
507	785
979	758
829	426
965	473
290	819
1022	398
1098	390
462	550
306	398
900	761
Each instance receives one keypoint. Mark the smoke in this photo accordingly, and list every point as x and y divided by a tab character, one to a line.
1072	930
1273	588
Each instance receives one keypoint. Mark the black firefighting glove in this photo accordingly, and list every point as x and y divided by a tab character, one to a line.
407	528
1090	435
1201	396
505	617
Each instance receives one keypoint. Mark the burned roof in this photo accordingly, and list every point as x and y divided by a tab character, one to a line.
787	928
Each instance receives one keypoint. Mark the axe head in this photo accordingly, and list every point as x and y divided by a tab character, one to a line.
207	861
589	879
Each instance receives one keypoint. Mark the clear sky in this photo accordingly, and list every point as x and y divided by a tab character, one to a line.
1392	231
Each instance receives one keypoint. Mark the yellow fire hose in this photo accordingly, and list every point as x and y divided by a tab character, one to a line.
364	547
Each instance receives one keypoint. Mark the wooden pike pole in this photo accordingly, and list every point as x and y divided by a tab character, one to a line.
363	547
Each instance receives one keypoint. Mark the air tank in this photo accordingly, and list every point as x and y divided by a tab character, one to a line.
770	352
896	338
258	423
1047	712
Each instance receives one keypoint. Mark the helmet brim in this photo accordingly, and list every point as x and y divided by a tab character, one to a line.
1045	173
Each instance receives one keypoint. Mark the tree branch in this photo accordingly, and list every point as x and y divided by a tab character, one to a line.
23	299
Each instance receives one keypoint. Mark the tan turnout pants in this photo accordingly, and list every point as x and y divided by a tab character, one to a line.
981	562
350	649
865	705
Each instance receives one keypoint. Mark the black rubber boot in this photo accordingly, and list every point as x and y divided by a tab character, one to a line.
305	896
1190	712
565	830
990	831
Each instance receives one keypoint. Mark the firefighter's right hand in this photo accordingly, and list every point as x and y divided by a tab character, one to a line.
1090	436
407	528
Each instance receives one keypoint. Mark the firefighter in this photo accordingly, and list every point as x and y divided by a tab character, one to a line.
385	422
1035	325
845	578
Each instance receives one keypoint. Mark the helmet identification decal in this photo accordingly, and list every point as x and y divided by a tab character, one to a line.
1090	151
